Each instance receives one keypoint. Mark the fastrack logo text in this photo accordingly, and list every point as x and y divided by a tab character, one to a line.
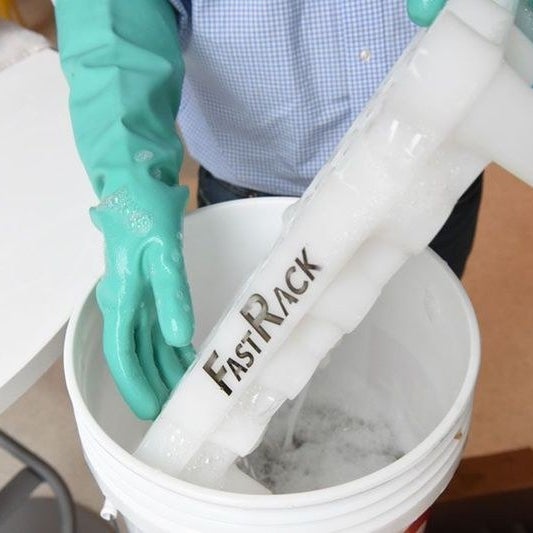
263	318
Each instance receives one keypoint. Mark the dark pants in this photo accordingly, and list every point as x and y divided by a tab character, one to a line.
453	242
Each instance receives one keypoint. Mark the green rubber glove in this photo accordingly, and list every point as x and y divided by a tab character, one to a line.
524	18
424	12
124	67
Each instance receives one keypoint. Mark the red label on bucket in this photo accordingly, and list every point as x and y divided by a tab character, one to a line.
420	525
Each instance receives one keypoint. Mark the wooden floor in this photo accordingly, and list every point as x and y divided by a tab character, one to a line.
499	280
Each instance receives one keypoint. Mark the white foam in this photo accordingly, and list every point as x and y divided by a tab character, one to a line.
329	446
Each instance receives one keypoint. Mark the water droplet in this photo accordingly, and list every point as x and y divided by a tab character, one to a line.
156	173
140	222
175	256
365	55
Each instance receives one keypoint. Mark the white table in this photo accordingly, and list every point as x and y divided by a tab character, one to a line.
50	254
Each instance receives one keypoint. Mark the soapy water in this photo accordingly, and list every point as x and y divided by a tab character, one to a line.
294	414
329	446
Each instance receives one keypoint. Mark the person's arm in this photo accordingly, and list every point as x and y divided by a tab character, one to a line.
123	63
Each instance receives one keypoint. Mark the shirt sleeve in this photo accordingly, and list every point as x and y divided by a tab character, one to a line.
123	63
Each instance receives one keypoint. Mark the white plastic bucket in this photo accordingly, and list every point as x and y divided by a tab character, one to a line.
418	348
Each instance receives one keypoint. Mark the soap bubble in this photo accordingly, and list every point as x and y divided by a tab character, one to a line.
143	155
330	446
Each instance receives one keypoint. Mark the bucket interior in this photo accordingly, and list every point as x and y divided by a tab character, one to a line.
404	365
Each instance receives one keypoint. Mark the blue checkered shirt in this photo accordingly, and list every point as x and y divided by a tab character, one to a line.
271	86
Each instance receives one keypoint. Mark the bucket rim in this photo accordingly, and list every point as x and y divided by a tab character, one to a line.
275	501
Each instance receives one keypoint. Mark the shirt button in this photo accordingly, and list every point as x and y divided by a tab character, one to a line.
365	55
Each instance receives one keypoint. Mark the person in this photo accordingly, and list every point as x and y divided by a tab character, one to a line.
265	91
